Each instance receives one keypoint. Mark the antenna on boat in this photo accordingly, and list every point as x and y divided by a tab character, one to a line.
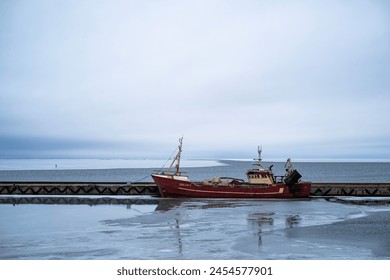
177	157
258	159
259	150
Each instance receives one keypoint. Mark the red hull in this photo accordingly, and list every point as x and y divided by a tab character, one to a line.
170	187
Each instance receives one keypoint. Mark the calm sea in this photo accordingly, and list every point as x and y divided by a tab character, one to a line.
142	227
92	170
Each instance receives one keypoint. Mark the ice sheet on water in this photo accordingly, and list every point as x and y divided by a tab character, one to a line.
180	229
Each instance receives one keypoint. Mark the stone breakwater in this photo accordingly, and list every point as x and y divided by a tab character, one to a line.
148	188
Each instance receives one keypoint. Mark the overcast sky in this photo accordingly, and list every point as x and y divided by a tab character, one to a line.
126	79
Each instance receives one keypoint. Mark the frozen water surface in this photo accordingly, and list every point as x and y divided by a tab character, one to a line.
159	228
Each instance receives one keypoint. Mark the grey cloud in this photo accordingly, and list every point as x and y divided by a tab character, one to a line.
228	75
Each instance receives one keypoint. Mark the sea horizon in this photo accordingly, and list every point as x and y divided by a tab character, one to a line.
119	163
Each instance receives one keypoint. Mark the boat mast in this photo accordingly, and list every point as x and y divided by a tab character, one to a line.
177	157
259	159
259	149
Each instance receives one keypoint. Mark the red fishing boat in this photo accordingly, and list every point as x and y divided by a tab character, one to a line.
261	183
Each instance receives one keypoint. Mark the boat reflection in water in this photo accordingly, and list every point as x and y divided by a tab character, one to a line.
258	220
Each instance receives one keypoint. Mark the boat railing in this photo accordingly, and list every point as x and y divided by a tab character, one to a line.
232	179
169	173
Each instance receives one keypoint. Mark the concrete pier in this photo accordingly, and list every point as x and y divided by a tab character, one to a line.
350	189
148	188
78	200
77	188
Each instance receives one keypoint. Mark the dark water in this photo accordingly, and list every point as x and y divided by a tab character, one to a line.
315	172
